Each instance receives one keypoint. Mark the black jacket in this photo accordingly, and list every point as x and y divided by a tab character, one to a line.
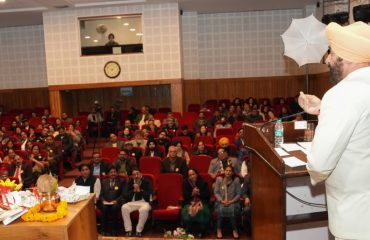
146	191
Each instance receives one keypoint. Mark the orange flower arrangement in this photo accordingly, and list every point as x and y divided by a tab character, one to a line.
34	214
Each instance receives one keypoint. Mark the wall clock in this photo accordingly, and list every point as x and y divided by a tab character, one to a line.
112	69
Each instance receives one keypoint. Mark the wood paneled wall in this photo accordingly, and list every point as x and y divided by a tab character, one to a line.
155	96
24	98
159	95
198	91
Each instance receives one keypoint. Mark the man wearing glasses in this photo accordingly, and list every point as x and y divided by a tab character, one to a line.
218	164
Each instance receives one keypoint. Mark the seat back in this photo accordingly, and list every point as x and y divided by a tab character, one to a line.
150	165
200	163
205	139
170	187
110	152
224	131
185	140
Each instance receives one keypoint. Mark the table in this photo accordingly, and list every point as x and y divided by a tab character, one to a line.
80	223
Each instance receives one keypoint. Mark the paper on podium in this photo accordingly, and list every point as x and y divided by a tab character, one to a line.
291	147
293	162
281	152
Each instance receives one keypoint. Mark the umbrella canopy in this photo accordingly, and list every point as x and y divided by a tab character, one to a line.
305	40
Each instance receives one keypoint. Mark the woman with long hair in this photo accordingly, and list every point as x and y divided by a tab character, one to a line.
227	192
195	213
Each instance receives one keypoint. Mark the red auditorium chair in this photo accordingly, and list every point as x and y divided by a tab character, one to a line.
110	152
205	139
224	131
151	165
185	140
200	163
169	194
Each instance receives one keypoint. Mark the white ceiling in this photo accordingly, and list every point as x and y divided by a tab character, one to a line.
29	12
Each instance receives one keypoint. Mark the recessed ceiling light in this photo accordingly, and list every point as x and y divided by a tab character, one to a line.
95	40
119	17
132	29
139	34
2	0
87	37
126	24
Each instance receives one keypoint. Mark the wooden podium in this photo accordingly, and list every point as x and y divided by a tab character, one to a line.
269	177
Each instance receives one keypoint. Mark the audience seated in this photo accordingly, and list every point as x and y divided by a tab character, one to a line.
204	131
227	192
113	141
138	195
124	164
195	212
40	164
98	167
173	163
135	153
143	117
88	180
22	171
139	140
126	134
10	157
181	152
163	140
53	154
110	201
152	150
219	164
201	120
201	149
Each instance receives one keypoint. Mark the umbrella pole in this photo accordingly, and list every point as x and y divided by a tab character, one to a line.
306	70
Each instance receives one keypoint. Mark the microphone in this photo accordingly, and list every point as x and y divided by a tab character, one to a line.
289	116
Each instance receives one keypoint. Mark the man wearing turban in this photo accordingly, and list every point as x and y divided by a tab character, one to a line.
340	153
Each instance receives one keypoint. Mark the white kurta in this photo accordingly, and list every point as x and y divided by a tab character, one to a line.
340	155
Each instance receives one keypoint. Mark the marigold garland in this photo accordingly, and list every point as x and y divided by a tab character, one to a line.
34	214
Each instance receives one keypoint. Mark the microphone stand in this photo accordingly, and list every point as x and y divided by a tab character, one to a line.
275	120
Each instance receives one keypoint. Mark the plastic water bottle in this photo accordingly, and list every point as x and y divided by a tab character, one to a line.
279	133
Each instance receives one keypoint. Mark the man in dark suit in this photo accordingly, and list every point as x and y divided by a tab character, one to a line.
98	167
124	164
111	198
173	163
21	171
139	191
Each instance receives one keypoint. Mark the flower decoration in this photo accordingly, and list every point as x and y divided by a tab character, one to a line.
8	186
178	233
34	214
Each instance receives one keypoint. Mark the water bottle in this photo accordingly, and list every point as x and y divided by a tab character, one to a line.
279	133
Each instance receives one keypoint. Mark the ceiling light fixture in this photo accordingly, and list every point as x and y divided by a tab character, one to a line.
139	34
93	4
87	37
35	9
132	29
126	24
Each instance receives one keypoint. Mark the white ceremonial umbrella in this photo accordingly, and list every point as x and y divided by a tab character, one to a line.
305	41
